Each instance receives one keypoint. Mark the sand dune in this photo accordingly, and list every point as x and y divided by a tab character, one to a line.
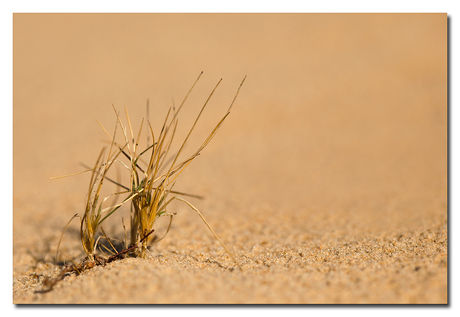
328	181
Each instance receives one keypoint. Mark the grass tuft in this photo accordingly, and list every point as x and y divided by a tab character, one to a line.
152	178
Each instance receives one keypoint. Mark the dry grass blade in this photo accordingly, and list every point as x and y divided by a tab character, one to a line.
60	239
209	227
73	174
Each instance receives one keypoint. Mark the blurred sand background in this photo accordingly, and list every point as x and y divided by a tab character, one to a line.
328	180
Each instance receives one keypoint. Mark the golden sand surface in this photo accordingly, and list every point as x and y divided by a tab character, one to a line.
328	181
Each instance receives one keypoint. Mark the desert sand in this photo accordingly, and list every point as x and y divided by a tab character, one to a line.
328	180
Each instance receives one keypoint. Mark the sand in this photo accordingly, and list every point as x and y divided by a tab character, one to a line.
328	181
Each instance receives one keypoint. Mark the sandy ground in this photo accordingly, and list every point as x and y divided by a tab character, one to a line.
328	181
